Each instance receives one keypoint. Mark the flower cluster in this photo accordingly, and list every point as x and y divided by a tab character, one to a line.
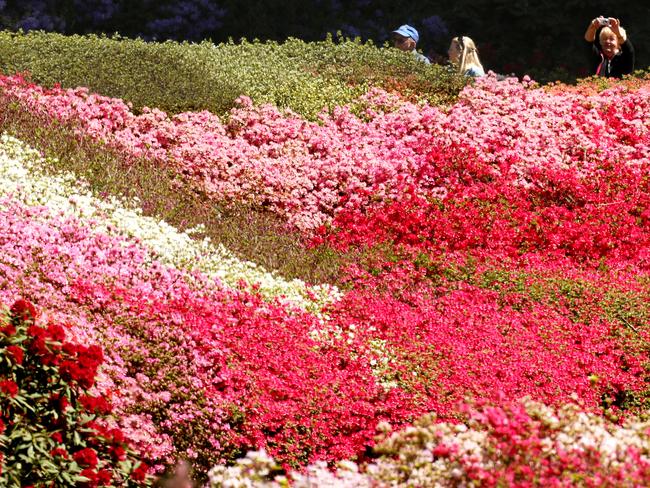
182	351
54	430
302	170
21	176
515	444
499	249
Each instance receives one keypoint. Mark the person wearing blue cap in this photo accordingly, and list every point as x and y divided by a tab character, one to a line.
406	38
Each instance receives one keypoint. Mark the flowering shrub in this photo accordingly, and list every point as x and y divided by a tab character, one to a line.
22	177
515	444
583	215
259	470
53	429
235	373
182	351
499	249
459	340
308	171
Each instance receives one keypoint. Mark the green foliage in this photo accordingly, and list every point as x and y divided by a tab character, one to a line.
175	77
53	432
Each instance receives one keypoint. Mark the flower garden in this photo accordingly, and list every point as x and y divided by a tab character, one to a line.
488	324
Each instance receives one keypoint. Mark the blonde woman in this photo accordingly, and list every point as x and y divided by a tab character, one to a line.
464	55
612	53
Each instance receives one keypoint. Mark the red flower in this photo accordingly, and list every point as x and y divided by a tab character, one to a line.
97	405
57	437
86	457
118	453
17	353
8	330
9	387
70	371
140	473
23	310
92	478
116	436
58	451
2	429
37	345
91	357
104	477
84	368
56	332
70	348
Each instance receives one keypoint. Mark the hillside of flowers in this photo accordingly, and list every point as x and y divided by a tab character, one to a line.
489	324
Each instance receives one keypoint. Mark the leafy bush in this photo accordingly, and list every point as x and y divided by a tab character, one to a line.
176	77
53	430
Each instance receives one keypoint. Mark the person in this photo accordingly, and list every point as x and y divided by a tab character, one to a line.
464	56
405	39
611	52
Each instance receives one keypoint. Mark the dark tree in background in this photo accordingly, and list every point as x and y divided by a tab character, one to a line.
543	39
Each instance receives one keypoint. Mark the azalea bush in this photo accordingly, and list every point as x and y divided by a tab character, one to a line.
513	444
54	429
493	249
22	174
199	371
250	234
307	172
517	444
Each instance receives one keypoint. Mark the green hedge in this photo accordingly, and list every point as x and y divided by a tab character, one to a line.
175	77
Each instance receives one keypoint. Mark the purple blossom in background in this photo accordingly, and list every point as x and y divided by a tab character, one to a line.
37	16
96	12
435	27
191	20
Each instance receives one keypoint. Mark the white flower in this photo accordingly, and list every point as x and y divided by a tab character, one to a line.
22	177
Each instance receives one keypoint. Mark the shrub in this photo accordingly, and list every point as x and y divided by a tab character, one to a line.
177	77
517	444
54	430
521	444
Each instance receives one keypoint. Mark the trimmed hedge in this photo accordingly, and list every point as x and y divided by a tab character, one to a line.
177	77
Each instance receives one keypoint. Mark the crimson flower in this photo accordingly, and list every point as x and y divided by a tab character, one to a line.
97	405
56	332
86	457
9	387
140	473
8	330
16	353
58	451
23	310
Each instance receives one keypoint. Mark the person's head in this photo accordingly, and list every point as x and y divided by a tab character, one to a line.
610	42
405	38
463	53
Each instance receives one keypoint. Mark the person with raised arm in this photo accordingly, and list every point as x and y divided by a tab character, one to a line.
611	52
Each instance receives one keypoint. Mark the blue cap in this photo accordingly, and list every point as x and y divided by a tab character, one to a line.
408	31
